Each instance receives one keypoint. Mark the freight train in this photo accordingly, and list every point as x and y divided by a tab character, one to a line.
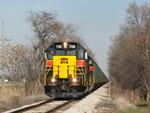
70	71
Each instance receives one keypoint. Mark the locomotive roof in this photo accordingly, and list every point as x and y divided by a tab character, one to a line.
54	43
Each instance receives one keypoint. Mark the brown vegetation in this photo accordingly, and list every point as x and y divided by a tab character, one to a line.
13	96
15	62
129	58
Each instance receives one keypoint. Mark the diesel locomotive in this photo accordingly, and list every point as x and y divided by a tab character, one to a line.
70	71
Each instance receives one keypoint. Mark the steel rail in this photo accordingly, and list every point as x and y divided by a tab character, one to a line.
23	109
60	106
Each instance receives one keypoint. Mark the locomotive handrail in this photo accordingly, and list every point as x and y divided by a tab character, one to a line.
58	71
74	70
81	72
47	70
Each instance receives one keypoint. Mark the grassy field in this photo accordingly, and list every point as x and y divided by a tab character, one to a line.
13	96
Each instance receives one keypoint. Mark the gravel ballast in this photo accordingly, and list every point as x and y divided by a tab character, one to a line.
89	103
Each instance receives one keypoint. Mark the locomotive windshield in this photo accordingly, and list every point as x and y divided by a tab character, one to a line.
59	52
80	54
49	55
71	52
66	52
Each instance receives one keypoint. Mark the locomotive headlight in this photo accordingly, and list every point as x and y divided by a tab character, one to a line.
74	80
65	44
53	80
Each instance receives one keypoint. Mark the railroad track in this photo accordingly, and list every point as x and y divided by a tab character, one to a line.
63	106
50	106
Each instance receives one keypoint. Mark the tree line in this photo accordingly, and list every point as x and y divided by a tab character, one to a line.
129	55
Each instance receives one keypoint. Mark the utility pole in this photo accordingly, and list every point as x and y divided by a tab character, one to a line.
3	39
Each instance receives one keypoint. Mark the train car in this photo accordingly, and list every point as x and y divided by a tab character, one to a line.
70	71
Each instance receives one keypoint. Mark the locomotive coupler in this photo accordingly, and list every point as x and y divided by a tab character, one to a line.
64	88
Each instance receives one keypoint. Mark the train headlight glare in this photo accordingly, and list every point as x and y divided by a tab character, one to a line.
65	44
74	80
53	80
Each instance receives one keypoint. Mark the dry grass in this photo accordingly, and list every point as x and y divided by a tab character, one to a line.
13	97
123	103
114	105
8	97
123	100
107	106
118	101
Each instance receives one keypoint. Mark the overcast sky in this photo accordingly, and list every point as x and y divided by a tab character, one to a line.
97	20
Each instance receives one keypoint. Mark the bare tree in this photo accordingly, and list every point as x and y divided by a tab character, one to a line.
15	57
45	28
129	61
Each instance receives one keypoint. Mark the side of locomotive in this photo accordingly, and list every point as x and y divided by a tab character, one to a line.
69	71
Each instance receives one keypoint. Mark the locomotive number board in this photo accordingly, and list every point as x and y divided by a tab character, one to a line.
65	46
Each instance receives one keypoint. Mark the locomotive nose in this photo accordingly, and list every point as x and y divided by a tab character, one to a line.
64	66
